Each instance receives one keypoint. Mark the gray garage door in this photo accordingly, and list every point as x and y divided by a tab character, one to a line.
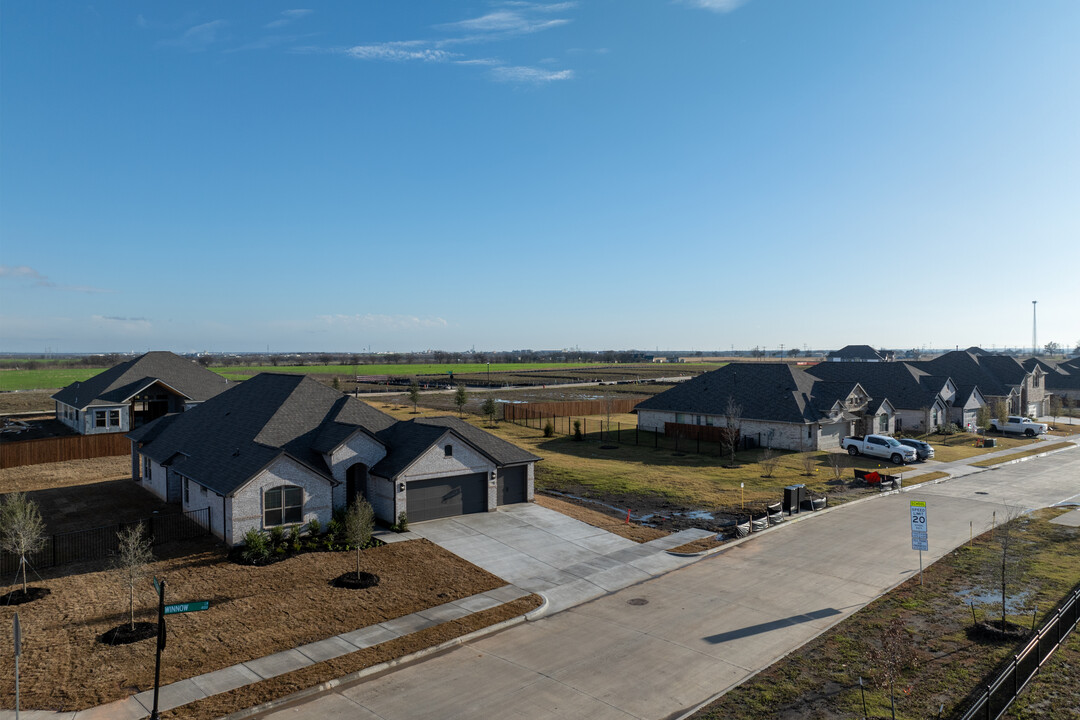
831	435
511	481
446	497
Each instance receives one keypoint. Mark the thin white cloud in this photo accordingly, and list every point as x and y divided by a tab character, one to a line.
198	37
28	273
123	325
530	75
288	16
371	321
507	21
719	6
401	51
479	61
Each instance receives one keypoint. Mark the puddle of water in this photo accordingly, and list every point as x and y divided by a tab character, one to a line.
646	518
1014	604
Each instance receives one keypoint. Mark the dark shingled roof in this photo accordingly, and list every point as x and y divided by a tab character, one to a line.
228	439
856	352
775	392
408	440
116	385
906	387
994	374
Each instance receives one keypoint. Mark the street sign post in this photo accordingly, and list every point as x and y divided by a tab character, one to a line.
17	632
919	531
187	607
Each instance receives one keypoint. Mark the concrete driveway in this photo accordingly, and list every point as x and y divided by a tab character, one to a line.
543	551
662	647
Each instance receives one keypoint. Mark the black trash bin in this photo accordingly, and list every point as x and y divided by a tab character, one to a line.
793	498
989	442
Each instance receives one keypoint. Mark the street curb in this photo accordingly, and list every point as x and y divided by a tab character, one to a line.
379	668
538	612
906	488
685	715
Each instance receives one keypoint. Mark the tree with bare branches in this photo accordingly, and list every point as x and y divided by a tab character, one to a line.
359	522
1010	559
22	531
891	656
132	559
732	426
769	460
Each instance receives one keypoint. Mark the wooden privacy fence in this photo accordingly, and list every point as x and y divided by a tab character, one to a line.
531	411
73	447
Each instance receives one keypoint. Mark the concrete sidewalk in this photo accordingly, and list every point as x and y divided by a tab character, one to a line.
664	646
252	671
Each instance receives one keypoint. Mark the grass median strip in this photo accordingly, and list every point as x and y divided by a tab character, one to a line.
282	686
990	462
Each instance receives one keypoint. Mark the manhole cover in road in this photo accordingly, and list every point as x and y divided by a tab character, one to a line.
637	601
980	492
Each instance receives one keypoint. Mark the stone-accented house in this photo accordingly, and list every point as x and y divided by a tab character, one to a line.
281	450
860	353
1062	379
922	401
781	406
998	377
135	392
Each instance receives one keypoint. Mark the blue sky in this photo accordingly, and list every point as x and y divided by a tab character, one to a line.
401	175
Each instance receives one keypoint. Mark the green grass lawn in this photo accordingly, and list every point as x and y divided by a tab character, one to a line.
1041	448
45	379
246	371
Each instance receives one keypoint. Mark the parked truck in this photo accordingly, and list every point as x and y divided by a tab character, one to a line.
1020	425
880	446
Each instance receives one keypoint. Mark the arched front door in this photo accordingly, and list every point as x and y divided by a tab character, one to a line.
356	478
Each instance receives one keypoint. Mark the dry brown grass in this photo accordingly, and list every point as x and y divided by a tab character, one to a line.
64	474
630	531
289	683
254	611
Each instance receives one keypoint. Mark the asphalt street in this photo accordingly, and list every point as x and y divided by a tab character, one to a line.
661	647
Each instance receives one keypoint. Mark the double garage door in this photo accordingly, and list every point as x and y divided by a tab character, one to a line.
463	494
446	497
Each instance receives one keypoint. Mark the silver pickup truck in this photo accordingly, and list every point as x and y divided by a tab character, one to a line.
880	446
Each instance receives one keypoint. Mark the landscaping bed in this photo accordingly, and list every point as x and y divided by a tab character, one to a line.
254	611
944	661
1041	448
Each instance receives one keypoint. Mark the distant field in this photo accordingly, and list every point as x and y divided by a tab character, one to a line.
50	378
246	371
43	379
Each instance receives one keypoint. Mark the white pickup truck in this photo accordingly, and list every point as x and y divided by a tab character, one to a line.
1017	424
880	446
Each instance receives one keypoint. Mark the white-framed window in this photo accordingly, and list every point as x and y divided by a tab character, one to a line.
883	422
283	505
100	418
114	418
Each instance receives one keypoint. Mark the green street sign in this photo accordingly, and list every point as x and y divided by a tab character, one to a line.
157	585
187	607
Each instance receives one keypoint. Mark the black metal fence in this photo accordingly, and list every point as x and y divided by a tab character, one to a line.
1014	677
101	542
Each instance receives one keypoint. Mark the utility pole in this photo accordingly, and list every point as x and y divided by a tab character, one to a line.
1034	345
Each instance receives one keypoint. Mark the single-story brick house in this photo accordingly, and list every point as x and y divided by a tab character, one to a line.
922	401
998	377
781	406
281	450
128	395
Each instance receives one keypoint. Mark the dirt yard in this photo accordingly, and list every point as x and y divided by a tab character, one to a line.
254	611
80	507
27	401
64	474
618	526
